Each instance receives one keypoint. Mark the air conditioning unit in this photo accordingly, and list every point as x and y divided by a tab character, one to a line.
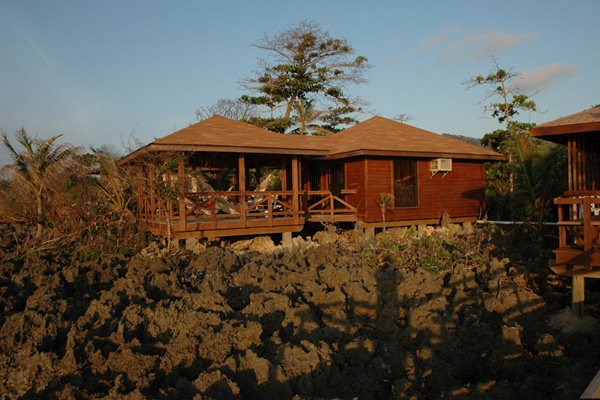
441	165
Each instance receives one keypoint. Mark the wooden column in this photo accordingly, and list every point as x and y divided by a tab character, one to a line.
570	161
242	184
295	187
305	187
181	194
143	203
587	232
151	193
283	174
169	204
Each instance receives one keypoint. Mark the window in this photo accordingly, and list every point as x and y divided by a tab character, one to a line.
405	183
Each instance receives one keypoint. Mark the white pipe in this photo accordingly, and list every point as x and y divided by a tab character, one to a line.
513	222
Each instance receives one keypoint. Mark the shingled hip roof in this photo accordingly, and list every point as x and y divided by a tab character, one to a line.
382	136
375	136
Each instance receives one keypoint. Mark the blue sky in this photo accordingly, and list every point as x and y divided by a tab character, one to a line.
96	71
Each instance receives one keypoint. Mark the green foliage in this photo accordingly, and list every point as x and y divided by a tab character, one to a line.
541	176
385	203
337	117
113	182
275	124
306	119
433	253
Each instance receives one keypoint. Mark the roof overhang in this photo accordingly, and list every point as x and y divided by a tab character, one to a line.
180	148
543	131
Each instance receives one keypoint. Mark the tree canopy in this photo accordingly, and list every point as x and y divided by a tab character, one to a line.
304	64
500	84
230	108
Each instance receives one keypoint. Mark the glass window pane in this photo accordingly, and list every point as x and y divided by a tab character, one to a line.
405	183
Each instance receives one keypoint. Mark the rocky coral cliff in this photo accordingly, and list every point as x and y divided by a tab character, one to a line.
330	318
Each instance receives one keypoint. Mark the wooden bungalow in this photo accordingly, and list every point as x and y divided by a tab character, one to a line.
340	178
578	254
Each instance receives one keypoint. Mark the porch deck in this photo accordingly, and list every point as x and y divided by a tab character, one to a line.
221	214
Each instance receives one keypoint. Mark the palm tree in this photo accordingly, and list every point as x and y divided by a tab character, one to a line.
34	168
306	116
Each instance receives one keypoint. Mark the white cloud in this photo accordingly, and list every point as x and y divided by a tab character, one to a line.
496	42
541	77
431	43
464	45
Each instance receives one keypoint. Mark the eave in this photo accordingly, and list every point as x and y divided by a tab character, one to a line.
417	154
552	130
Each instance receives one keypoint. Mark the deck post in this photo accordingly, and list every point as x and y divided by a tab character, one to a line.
242	187
283	174
181	187
143	206
421	230
152	193
295	186
578	296
587	232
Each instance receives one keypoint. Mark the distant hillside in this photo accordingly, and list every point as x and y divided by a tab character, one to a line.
467	139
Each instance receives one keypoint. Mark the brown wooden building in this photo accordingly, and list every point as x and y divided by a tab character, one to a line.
578	254
339	178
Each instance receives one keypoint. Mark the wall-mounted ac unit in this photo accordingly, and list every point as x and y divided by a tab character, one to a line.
441	165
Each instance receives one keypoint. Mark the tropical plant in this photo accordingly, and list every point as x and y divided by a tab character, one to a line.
540	177
385	202
306	117
113	182
34	168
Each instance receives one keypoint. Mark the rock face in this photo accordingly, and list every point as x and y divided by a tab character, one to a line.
318	320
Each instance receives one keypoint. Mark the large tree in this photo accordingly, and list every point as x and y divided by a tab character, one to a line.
304	63
501	83
528	181
36	165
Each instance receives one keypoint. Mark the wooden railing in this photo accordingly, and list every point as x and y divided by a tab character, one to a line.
324	204
216	210
579	229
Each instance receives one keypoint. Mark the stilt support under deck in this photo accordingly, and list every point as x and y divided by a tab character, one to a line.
370	234
287	239
578	296
578	273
